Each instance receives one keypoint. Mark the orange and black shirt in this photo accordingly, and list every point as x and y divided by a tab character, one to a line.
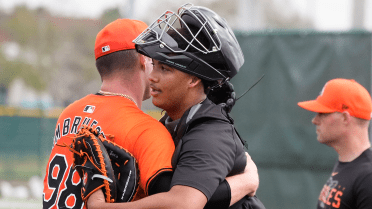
350	185
146	138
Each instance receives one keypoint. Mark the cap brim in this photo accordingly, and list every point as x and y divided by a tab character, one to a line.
315	106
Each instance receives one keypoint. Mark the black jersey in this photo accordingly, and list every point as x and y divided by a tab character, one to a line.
210	151
350	185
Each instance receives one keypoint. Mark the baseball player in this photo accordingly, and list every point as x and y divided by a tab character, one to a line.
199	55
113	111
344	110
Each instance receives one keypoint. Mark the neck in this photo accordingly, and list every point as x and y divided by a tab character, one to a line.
118	87
177	110
352	147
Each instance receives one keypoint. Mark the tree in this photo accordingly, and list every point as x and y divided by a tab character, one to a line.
22	25
110	15
61	51
9	70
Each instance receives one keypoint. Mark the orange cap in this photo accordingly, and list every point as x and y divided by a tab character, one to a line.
117	36
339	95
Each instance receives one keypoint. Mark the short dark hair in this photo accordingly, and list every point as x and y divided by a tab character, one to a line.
125	59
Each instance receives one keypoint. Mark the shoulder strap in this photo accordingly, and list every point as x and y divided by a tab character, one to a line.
177	138
181	130
183	123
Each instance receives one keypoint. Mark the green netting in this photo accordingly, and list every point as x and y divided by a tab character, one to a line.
25	144
293	166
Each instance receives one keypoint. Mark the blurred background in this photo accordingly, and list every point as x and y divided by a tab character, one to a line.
47	62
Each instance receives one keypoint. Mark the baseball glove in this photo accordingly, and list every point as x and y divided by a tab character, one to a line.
93	165
125	168
101	164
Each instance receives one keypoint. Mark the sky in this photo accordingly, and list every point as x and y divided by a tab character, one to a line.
76	8
65	7
326	14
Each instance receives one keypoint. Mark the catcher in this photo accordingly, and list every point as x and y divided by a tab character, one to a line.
115	110
194	51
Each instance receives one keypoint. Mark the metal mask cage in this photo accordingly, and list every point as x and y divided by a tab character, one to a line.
158	31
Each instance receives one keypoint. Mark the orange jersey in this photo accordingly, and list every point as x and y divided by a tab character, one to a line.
146	138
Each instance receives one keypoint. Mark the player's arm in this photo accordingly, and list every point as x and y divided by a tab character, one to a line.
187	197
231	190
234	188
245	183
179	197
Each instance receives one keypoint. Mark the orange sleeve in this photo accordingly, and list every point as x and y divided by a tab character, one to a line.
153	150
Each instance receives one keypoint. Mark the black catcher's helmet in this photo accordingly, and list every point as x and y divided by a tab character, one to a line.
195	40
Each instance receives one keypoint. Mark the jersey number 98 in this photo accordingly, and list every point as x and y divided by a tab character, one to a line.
65	191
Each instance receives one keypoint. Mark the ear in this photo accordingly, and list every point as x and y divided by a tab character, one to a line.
194	81
142	60
346	117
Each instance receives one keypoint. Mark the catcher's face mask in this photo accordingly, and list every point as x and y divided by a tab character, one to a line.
157	32
190	40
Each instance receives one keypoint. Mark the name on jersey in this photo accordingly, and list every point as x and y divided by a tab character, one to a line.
72	126
331	194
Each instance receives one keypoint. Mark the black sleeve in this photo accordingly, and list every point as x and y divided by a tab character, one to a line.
161	183
221	197
206	157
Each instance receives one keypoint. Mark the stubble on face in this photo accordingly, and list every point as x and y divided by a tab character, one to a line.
148	69
328	128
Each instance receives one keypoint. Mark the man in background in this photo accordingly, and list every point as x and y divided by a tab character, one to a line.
343	116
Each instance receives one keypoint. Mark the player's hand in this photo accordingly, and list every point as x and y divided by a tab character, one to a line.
251	174
96	199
